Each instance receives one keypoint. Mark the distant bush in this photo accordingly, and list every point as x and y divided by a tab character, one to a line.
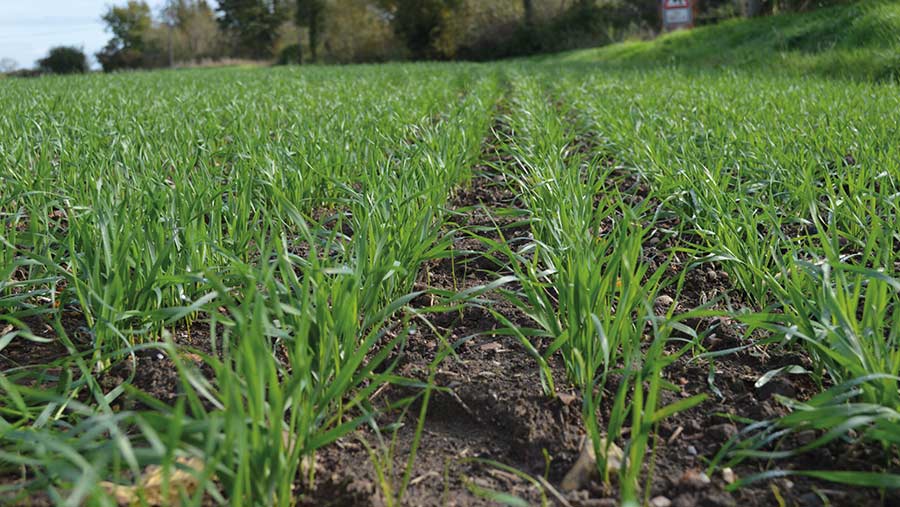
25	73
290	55
581	25
113	58
64	60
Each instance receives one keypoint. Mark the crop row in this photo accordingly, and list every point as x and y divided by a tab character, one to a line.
287	216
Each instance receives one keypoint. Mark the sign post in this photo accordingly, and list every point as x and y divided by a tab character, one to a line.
677	14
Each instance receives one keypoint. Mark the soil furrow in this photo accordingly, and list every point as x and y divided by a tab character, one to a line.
492	406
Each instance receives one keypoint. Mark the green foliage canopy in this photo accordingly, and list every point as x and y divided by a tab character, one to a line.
64	60
254	23
129	25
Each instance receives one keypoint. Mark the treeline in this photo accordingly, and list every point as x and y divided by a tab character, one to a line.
182	31
185	32
345	31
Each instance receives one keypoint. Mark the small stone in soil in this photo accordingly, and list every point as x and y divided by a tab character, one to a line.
579	477
694	426
577	496
492	347
660	501
662	304
685	500
694	479
718	499
728	475
567	398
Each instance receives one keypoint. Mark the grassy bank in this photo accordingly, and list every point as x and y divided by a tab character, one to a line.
858	41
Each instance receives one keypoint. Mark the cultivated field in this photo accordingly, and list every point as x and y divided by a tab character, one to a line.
444	284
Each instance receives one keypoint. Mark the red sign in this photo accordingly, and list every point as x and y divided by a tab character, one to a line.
677	14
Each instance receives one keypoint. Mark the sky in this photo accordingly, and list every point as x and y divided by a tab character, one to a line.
29	28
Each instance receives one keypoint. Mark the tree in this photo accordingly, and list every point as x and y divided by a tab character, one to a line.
309	14
254	23
420	24
196	33
358	31
528	9
64	60
750	8
130	26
